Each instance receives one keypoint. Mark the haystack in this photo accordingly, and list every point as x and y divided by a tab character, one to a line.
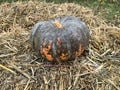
97	69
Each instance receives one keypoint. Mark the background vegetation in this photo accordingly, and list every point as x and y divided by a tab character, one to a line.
108	8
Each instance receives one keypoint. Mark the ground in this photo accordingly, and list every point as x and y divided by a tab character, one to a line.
97	69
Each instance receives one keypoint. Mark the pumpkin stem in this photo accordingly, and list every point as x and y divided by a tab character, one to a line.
57	24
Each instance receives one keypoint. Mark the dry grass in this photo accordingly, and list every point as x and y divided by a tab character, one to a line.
98	69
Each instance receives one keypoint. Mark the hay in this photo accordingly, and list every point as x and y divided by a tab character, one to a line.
97	70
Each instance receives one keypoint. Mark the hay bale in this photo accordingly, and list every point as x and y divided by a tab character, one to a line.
19	68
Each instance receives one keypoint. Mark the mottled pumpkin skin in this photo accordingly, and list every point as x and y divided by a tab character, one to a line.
54	43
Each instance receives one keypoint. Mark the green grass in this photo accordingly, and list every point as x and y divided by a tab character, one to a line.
110	10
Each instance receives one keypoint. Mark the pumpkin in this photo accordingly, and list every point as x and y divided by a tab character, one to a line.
60	39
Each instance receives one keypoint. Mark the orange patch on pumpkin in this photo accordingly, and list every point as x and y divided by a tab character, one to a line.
63	56
45	52
80	51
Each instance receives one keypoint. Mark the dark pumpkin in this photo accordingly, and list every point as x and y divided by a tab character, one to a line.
60	38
